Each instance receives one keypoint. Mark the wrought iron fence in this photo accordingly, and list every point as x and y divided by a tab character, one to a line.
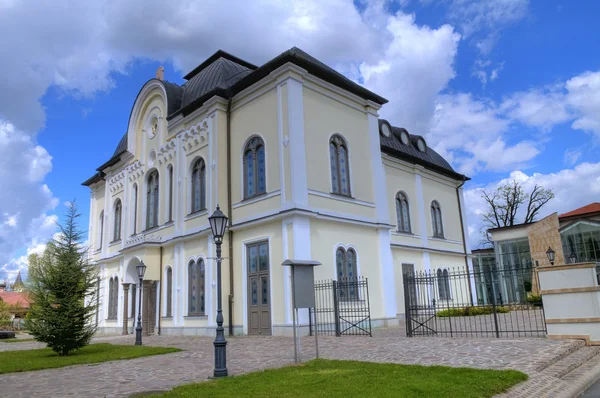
484	302
335	313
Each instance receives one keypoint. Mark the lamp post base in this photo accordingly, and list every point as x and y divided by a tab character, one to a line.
138	336
220	359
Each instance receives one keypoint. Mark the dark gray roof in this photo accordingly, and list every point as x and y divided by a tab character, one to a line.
220	74
428	159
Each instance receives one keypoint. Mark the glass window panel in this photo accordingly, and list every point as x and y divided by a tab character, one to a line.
261	173
335	187
249	174
344	172
339	261
196	190
253	259
264	291
263	257
254	292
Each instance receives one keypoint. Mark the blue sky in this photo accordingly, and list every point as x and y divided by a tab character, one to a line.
503	89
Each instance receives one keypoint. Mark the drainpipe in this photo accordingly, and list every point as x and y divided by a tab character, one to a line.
464	238
230	212
160	285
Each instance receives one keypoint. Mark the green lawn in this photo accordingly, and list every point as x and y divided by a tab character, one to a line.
45	358
325	378
15	340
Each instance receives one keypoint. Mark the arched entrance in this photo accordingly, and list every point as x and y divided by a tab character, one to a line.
149	298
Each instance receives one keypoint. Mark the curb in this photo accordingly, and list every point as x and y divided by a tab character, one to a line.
582	384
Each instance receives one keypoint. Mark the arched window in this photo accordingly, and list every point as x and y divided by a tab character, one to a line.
134	199
436	220
402	212
198	186
117	222
170	218
196	290
133	299
169	290
340	174
101	229
152	200
255	181
110	298
347	277
443	284
113	297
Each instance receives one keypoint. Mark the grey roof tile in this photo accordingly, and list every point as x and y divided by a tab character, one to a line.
429	159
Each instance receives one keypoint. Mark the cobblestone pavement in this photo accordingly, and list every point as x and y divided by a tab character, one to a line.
246	354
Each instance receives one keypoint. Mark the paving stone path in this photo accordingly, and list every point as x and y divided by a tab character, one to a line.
246	354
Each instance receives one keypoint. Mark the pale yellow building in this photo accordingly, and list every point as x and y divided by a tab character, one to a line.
296	156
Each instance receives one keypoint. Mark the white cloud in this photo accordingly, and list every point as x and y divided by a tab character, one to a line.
572	156
25	199
538	107
584	96
583	179
415	67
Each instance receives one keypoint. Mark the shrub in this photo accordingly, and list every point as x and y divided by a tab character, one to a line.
471	311
534	299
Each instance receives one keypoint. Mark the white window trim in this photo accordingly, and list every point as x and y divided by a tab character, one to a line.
346	247
245	245
350	185
186	284
242	170
410	217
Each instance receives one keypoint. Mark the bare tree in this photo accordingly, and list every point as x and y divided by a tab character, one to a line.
505	201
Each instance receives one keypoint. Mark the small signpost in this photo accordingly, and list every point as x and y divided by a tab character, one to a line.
303	295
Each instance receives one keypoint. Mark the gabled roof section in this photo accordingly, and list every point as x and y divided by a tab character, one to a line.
586	210
219	54
429	159
220	74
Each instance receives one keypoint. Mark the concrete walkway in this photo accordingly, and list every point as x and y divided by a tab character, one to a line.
246	354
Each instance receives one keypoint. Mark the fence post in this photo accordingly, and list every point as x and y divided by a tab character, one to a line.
336	309
310	326
492	291
408	325
366	280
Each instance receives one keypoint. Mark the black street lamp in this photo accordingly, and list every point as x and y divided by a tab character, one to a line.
141	270
550	253
218	225
573	258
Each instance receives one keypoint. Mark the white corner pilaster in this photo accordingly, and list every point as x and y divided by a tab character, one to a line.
388	284
287	275
379	181
302	251
422	220
297	143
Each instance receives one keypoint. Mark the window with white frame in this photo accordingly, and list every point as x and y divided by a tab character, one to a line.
436	220
196	288
340	173
255	181
346	267
402	212
100	229
198	186
170	218
117	220
113	297
443	284
152	200
169	300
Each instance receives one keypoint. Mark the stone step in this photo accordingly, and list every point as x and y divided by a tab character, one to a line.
569	363
586	367
546	360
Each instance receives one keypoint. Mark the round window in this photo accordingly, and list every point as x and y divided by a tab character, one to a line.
385	130
404	138
421	145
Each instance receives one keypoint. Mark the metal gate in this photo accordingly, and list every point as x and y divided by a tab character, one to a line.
484	302
335	314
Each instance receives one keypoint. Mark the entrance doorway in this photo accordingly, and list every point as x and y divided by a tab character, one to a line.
259	289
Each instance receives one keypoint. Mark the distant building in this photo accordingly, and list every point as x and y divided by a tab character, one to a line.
574	236
18	285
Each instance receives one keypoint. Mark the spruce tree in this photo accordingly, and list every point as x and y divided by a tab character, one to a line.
63	291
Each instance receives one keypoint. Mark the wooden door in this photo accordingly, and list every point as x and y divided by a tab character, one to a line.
259	289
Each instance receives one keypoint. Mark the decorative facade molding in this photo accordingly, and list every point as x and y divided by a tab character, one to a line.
135	170
167	152
195	136
142	238
116	182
